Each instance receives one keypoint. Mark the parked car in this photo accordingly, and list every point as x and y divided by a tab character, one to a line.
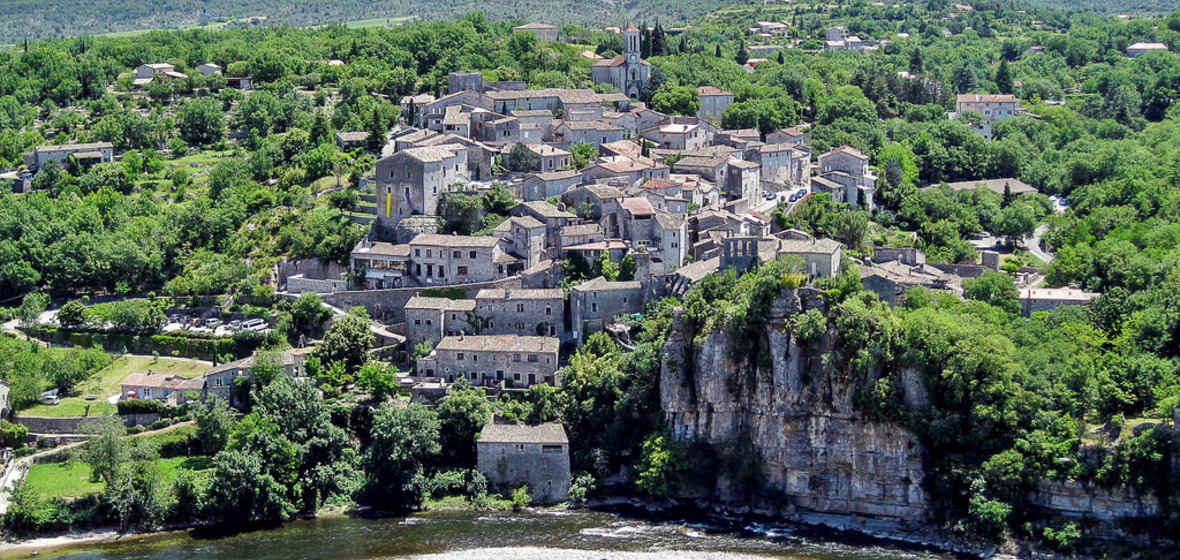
254	325
794	197
213	323
235	325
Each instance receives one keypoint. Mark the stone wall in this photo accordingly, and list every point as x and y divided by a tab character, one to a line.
73	424
509	466
388	305
799	420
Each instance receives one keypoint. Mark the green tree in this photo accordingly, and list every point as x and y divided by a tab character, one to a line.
31	307
348	341
677	100
521	158
377	128
403	439
309	313
662	466
72	315
201	121
377	379
1004	77
1015	222
995	288
461	416
214	423
583	154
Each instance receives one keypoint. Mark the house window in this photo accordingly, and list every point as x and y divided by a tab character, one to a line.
548	310
459	356
519	326
594	308
551	449
219	381
429	253
533	358
471	254
516	358
417	252
457	254
520	448
516	377
417	321
475	357
461	271
520	308
624	300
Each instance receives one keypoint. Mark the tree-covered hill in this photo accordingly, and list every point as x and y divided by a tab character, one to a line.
37	19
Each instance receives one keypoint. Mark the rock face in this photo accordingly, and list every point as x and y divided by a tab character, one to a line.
798	417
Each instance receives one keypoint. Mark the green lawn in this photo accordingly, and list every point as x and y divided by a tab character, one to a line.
106	383
72	480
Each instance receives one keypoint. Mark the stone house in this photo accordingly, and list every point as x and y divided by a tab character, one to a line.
479	155
544	32
432	115
781	163
820	256
1139	49
349	141
409	181
517	362
89	153
551	99
162	387
442	260
597	203
1048	299
595	132
550	158
412	107
383	264
788	136
547	213
637	218
209	69
992	107
150	71
432	319
714	101
680	134
523	312
580	234
631	169
220	380
595	303
457	120
543	186
527	236
743	181
670	236
855	165
512	456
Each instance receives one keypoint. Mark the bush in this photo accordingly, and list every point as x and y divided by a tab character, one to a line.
521	498
581	488
12	435
469	483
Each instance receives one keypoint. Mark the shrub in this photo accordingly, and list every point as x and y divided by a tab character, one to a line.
521	498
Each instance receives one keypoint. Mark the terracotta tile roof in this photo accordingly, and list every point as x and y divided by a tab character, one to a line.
986	98
638	206
440	240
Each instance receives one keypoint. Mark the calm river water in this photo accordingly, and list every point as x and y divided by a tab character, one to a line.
544	535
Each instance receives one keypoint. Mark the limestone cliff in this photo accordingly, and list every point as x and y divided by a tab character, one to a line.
796	414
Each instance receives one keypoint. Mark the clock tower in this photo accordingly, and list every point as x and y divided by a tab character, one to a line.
629	72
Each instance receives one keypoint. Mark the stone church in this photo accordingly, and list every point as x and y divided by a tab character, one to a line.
628	73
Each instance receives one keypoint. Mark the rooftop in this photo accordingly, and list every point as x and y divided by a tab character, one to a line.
501	293
163	380
986	98
440	240
601	284
710	90
84	146
522	433
546	209
500	343
637	206
820	246
440	304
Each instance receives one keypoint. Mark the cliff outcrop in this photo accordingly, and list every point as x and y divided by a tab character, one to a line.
793	412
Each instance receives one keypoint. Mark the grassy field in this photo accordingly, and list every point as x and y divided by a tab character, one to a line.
378	22
72	480
106	383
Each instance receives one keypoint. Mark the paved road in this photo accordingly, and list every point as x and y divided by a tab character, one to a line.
1033	244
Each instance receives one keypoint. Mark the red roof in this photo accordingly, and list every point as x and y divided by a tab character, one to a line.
638	206
657	184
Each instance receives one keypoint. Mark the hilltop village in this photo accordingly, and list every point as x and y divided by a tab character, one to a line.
787	260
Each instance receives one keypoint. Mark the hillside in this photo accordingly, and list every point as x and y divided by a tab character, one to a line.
40	19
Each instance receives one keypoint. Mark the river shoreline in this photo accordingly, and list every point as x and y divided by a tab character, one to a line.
835	528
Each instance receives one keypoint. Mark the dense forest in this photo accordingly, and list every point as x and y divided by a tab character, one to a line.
63	18
1080	393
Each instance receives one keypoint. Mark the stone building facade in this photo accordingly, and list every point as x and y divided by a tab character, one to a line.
518	362
516	455
595	303
521	312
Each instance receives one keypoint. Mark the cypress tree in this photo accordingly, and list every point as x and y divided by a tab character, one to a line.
717	53
1004	77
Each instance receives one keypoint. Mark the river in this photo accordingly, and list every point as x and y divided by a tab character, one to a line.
534	535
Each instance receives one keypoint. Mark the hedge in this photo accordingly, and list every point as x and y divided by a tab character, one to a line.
186	345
